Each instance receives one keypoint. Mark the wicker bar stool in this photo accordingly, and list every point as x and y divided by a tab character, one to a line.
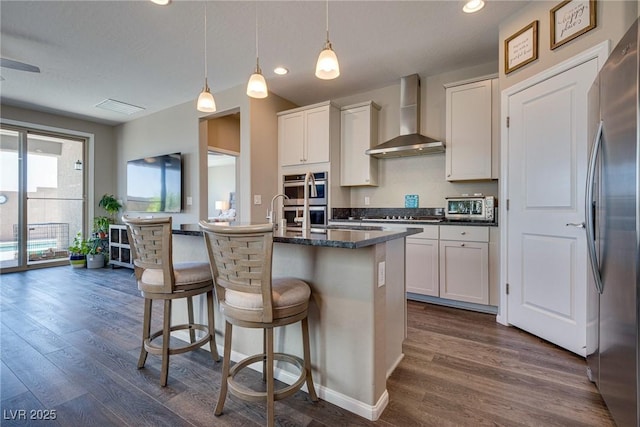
240	258
160	279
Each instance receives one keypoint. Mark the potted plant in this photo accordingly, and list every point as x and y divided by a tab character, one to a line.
101	226
95	254
110	204
78	251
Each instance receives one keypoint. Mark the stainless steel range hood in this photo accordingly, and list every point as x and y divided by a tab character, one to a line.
410	142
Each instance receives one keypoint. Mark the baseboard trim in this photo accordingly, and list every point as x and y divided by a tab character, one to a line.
370	412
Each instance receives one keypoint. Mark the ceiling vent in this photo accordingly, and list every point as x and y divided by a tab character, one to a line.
119	107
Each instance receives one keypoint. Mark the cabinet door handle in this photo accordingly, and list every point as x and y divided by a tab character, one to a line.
463	232
575	224
461	244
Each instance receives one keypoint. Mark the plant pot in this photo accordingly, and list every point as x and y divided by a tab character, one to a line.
95	261
78	261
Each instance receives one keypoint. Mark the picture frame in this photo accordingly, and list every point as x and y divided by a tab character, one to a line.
570	19
521	48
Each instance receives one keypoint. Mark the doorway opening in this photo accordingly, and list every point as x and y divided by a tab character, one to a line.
222	186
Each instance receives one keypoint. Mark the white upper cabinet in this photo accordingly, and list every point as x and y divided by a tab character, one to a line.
359	132
304	135
470	142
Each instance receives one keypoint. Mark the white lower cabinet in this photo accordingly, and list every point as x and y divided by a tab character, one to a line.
464	264
422	262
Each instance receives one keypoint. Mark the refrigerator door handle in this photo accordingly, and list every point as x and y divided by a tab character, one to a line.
589	211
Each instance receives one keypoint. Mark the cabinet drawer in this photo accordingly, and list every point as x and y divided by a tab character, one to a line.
430	232
465	234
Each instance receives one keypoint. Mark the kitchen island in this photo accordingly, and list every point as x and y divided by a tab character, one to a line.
357	313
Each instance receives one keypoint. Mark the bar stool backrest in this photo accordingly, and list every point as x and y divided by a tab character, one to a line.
240	258
151	247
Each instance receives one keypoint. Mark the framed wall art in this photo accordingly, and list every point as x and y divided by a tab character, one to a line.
521	48
571	19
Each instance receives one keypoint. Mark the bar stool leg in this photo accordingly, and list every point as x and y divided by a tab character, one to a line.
146	331
270	381
225	368
212	327
166	337
264	355
307	359
192	332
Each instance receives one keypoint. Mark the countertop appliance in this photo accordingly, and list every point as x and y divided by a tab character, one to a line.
613	226
470	208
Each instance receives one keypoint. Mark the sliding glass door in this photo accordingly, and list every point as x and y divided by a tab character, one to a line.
42	188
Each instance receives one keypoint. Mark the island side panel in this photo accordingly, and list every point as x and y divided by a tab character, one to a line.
341	315
396	303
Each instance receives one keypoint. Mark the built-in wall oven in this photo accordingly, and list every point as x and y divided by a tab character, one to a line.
294	204
317	216
294	189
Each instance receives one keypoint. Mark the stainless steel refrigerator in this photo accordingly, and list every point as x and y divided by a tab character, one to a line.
612	223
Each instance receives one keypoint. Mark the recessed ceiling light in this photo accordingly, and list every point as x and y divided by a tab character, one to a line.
281	71
161	2
473	6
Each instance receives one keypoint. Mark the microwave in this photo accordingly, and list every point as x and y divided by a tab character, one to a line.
471	208
294	189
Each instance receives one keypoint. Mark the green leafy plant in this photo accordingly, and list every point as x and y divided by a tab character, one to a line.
110	204
101	224
94	246
80	246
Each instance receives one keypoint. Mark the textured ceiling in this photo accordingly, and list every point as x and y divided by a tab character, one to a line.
152	56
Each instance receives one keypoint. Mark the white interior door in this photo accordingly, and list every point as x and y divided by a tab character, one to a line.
547	162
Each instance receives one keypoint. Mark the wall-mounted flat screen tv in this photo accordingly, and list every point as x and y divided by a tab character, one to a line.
154	184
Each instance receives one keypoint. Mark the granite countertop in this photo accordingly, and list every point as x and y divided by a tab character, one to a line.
335	237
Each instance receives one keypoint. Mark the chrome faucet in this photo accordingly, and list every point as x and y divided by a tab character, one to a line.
306	221
272	215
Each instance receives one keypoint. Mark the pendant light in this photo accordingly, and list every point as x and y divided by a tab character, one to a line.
327	67
206	103
257	86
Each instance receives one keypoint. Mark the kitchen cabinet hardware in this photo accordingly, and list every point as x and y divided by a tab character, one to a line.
575	224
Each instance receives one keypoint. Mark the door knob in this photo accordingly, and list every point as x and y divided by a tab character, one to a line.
575	224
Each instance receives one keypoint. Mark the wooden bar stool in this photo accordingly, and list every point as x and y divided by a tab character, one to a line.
158	278
240	258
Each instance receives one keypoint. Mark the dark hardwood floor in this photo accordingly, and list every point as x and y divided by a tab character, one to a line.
70	342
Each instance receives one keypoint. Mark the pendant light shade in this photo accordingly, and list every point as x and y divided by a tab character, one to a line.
327	67
206	103
257	86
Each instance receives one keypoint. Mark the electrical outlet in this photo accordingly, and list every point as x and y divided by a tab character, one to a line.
257	199
367	200
189	200
382	274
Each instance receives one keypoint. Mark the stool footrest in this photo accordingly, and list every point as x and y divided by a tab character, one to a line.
153	348
245	393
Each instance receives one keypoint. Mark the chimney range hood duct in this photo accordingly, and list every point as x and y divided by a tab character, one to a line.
410	142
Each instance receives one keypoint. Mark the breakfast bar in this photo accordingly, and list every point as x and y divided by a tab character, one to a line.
357	314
